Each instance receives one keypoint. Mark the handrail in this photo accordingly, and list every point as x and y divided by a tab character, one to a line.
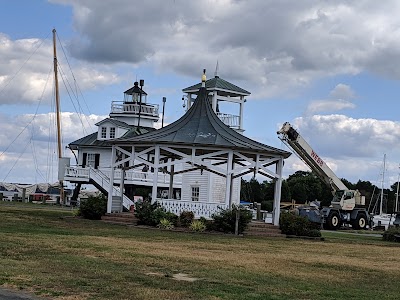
104	177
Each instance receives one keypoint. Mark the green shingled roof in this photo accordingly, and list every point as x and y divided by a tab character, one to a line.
219	84
91	139
200	126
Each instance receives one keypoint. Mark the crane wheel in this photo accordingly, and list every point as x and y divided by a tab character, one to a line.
360	222
333	221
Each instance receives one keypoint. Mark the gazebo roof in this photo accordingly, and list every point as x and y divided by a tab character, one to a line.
200	126
217	83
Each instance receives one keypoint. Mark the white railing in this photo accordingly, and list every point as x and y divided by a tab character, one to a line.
145	108
134	175
230	120
77	172
100	178
130	175
104	181
200	209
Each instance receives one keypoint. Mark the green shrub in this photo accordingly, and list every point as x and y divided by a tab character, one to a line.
173	218
267	205
186	218
292	224
165	224
198	226
225	220
93	208
151	214
314	233
392	234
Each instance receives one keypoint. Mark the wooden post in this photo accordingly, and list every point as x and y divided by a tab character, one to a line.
121	187
111	187
228	196
237	221
171	180
155	174
277	192
23	195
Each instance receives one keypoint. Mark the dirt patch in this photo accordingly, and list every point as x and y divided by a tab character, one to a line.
178	276
184	277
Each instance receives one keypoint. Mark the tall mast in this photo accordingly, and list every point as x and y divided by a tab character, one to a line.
57	111
383	181
397	194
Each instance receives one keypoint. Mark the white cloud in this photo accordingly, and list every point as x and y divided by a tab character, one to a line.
328	106
342	91
277	46
338	100
27	72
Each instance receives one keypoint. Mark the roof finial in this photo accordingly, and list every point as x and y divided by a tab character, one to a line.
216	71
203	78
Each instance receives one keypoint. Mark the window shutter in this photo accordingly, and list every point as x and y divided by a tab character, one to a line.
96	160
84	160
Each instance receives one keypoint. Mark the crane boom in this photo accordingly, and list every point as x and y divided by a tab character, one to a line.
295	141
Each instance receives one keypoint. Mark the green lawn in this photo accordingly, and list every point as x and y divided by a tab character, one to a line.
50	253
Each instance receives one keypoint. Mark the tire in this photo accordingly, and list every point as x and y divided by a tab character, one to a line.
333	221
360	222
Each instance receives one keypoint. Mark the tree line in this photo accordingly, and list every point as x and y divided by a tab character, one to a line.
304	187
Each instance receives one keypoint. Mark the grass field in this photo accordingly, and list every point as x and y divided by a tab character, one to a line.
52	254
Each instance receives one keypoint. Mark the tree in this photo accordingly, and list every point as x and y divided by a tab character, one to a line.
306	187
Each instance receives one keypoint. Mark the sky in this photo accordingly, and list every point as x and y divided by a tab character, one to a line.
330	68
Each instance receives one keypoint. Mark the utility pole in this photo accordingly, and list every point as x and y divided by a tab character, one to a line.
140	100
164	99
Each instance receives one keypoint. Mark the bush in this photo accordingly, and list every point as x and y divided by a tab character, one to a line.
226	219
392	234
151	214
292	224
93	208
267	205
186	218
165	224
198	226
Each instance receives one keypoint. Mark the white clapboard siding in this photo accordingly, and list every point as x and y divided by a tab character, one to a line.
195	178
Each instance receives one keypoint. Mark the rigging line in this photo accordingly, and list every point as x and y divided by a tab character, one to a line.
33	126
72	73
23	64
33	118
73	104
22	153
76	85
30	122
36	163
80	111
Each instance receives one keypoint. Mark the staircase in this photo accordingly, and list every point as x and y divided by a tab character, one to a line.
102	182
260	228
127	218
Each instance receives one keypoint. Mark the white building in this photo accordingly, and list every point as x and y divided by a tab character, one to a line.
193	164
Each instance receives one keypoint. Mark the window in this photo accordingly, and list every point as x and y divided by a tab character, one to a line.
91	159
103	132
195	193
112	133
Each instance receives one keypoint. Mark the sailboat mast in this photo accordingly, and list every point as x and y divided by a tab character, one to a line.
397	193
57	111
383	180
